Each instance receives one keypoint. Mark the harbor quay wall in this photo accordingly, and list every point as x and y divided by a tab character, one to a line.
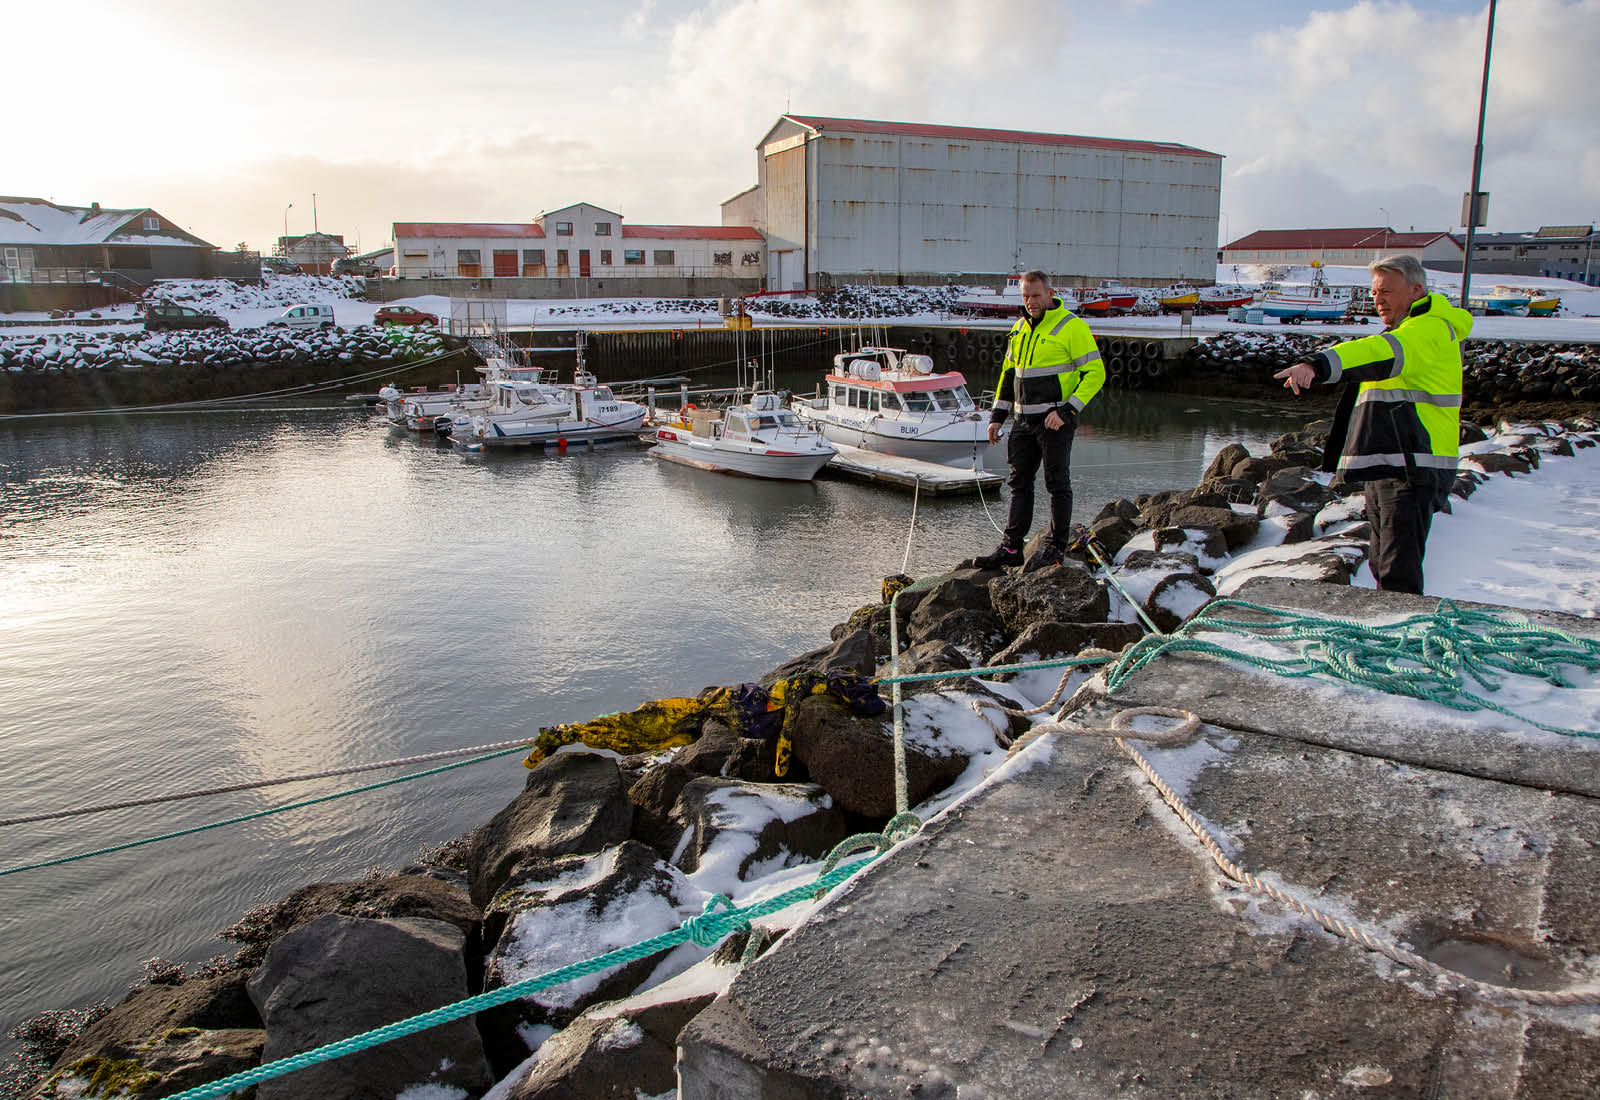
1052	934
675	286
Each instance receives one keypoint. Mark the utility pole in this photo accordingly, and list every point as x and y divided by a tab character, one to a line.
1477	164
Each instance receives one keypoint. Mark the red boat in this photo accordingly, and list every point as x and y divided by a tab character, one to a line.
1093	303
1217	299
1121	298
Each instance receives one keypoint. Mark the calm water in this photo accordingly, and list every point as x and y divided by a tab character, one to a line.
197	599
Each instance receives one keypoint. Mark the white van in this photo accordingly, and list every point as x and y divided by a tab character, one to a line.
306	316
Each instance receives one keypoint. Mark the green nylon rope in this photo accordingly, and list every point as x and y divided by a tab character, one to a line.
718	919
259	813
1427	656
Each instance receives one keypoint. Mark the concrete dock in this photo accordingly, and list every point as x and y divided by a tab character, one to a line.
1062	933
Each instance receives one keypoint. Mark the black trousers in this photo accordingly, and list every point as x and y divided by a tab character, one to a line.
1401	512
1029	447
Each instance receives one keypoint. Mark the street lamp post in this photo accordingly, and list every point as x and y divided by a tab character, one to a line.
286	210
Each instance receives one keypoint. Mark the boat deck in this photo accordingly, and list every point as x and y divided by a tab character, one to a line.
909	473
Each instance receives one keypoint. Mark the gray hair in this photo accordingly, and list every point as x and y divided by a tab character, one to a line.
1405	265
1036	276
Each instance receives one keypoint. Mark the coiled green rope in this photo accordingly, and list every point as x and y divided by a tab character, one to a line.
1429	656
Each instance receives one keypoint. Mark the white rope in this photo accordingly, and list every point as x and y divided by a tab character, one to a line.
179	796
916	494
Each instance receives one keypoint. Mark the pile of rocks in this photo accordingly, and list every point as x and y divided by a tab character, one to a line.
273	290
861	302
1495	372
599	851
365	345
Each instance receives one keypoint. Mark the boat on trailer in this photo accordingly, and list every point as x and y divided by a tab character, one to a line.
888	400
759	438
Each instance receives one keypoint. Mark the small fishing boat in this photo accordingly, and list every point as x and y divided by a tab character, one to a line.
534	412
1503	301
757	439
1122	298
1220	299
980	300
1089	303
1177	297
418	409
1316	301
888	400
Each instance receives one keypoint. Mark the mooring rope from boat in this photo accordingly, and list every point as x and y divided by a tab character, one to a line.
257	814
211	402
229	788
718	919
911	529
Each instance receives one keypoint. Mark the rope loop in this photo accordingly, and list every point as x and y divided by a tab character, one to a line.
715	922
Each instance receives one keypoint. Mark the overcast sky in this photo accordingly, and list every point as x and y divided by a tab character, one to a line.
221	115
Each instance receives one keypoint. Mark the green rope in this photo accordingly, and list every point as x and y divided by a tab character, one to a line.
259	813
1428	656
991	670
716	921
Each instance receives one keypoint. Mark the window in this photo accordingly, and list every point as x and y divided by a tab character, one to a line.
633	255
722	259
665	257
414	255
561	257
533	255
917	402
605	256
563	229
468	263
602	229
151	222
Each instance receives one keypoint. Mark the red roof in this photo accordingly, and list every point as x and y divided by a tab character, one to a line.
693	232
1277	240
466	229
974	133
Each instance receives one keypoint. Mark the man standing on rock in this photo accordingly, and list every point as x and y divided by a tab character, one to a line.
1399	430
1052	369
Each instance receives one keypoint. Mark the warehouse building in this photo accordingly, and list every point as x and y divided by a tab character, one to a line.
850	200
1352	247
1554	251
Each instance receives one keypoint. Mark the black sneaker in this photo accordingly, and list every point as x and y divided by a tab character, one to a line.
1003	556
1044	558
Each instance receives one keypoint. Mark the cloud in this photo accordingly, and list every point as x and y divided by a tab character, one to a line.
1381	99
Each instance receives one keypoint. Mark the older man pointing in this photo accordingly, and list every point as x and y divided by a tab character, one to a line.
1398	426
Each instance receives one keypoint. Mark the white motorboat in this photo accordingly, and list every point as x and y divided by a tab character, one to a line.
419	408
1316	301
887	400
533	412
758	439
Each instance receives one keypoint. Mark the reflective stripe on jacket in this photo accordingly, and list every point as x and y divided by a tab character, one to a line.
1053	364
1405	415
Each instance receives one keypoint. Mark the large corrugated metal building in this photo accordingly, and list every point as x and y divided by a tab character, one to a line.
849	200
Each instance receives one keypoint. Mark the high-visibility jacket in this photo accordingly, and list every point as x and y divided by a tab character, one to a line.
1404	417
1050	364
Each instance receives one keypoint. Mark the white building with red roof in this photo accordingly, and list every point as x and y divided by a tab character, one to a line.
1343	247
847	200
582	242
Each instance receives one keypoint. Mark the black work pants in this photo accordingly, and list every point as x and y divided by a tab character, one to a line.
1030	446
1401	512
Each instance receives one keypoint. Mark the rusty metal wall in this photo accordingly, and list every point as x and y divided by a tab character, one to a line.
910	205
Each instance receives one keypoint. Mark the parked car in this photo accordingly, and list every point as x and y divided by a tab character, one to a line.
402	315
165	315
318	315
350	265
280	265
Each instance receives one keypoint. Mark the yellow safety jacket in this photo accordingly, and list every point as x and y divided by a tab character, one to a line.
1050	364
1404	417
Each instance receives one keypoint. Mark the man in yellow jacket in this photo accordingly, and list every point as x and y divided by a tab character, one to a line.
1052	369
1398	427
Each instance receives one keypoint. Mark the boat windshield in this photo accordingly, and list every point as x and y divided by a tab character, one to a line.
918	401
603	393
951	400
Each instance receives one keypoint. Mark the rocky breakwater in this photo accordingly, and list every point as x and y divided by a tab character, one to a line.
64	371
1498	376
603	849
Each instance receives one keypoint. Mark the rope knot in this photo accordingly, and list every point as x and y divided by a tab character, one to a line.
718	918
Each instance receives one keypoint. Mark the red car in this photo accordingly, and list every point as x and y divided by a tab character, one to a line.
403	315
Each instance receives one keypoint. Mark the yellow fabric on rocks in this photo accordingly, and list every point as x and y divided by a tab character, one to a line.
658	724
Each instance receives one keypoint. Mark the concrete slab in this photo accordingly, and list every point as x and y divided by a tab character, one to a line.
1318	711
909	473
1060	934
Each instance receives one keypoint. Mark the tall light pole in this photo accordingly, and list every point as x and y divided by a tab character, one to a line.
1477	164
285	237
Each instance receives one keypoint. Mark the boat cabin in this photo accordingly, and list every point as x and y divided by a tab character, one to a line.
890	381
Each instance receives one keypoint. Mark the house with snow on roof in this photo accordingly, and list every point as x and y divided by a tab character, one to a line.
1342	247
576	251
92	255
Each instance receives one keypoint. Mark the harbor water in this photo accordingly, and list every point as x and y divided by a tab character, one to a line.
206	598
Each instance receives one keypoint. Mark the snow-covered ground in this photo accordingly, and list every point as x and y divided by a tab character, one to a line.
250	306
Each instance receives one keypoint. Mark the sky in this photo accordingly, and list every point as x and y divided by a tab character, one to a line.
228	119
